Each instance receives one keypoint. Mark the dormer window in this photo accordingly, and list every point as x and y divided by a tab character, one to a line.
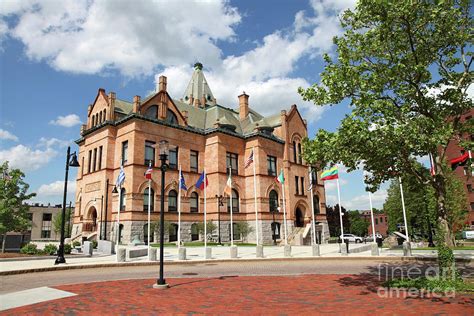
171	117
152	112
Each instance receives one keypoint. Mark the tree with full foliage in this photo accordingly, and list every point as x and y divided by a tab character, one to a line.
334	223
405	68
358	225
13	194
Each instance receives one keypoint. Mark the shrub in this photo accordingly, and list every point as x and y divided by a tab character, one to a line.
67	249
50	249
94	244
29	249
76	243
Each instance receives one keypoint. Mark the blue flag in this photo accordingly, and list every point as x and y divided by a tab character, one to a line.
121	177
182	183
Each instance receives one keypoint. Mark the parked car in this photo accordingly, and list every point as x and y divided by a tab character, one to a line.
370	239
352	238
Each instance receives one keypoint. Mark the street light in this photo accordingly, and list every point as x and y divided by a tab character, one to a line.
107	185
164	150
71	160
101	213
220	202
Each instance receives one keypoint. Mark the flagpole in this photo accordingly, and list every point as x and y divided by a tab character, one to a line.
149	214
372	217
312	206
255	195
205	211
231	211
284	211
179	207
118	221
404	211
340	211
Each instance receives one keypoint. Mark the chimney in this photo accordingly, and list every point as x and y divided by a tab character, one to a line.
111	111
243	105
185	115
136	104
162	84
203	100
191	99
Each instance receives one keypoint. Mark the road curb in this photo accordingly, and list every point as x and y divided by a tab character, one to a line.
177	262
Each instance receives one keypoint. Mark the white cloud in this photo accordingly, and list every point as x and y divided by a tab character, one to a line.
6	135
361	202
331	185
55	189
27	159
66	121
53	142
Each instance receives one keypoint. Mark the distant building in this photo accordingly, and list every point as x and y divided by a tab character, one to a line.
380	223
462	172
202	134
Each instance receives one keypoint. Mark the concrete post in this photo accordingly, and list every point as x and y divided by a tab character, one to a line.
259	251
316	250
152	254
121	254
182	253
287	251
208	253
343	249
374	249
406	249
233	252
88	249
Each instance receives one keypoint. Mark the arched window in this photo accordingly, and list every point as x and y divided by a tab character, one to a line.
316	204
273	201
100	117
300	157
276	230
171	117
93	121
105	113
97	119
194	202
194	232
294	152
235	202
122	199
145	200
152	112
173	233
120	232
172	201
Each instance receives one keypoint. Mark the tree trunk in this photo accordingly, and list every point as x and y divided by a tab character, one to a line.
4	242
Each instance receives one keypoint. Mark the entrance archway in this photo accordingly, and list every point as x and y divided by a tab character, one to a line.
299	218
94	218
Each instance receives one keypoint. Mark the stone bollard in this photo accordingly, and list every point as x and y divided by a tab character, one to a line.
259	251
406	249
121	254
208	253
374	249
88	248
233	251
287	251
181	253
152	254
316	250
343	250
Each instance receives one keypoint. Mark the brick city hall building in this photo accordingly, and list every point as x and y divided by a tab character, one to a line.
202	135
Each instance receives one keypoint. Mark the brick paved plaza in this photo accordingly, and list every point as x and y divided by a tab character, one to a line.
269	295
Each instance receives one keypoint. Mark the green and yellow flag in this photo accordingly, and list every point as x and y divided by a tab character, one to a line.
330	174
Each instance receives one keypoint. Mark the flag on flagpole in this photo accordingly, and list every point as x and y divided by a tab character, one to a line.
249	160
432	166
202	181
281	177
121	177
228	187
461	160
330	174
310	187
148	172
183	184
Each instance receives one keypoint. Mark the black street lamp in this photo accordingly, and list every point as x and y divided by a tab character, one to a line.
274	226
220	202
115	191
101	213
71	160
164	150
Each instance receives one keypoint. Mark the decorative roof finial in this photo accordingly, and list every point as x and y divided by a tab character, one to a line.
197	66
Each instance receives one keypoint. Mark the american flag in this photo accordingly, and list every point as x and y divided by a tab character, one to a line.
148	172
249	160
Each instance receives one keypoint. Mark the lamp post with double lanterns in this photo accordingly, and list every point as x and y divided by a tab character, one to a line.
164	150
220	202
71	161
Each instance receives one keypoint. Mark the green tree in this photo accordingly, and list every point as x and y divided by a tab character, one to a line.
210	227
334	223
244	229
57	223
358	226
404	66
13	194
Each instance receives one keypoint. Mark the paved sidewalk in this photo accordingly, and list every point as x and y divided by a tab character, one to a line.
218	253
233	295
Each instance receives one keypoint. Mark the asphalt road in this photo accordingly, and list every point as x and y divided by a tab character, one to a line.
19	282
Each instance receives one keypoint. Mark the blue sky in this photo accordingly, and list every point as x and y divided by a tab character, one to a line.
56	54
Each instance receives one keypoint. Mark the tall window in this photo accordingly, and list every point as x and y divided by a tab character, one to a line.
152	112
316	204
194	202
235	202
100	158
194	160
171	117
273	201
294	152
314	176
297	192
124	152
149	153
46	225
145	200
300	157
271	165
173	158
93	120
302	185
122	199
276	230
89	162
232	162
94	160
194	232
172	201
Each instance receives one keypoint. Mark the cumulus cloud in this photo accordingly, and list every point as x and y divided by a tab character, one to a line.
66	121
53	142
55	188
6	135
332	185
26	158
